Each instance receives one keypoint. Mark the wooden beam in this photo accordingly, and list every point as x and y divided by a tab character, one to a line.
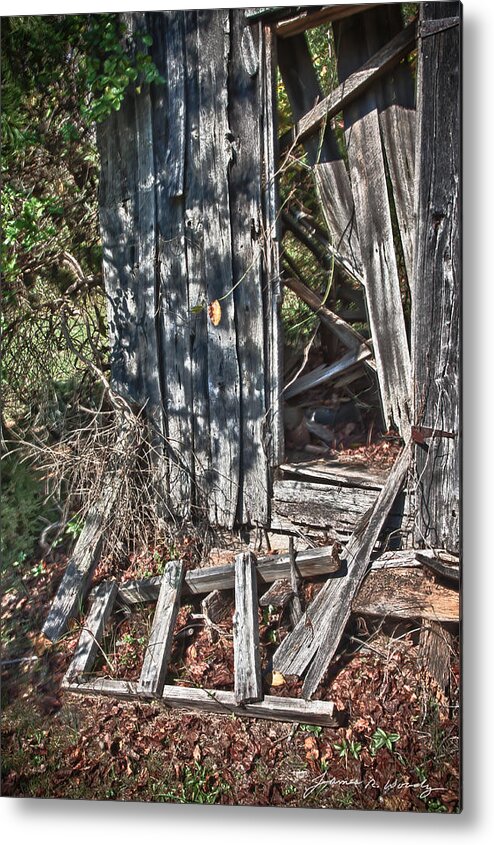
310	563
155	665
436	326
351	338
318	633
85	557
247	660
92	632
310	19
384	59
405	593
324	713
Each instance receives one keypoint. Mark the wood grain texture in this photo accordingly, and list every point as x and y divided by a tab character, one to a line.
274	707
155	665
247	660
373	216
318	633
405	593
436	333
91	636
216	152
309	563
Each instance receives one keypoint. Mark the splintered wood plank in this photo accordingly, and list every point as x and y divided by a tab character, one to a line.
309	18
384	59
245	176
324	713
216	153
278	595
406	593
92	633
157	654
373	217
316	637
168	121
247	659
325	374
436	327
87	550
310	563
351	338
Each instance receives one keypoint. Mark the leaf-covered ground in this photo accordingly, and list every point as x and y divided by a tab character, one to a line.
398	750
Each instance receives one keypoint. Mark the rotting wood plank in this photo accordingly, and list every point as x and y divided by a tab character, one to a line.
325	374
278	595
324	713
373	217
435	647
173	314
384	59
216	153
155	665
85	557
247	660
92	632
245	105
436	326
310	564
335	472
317	635
405	593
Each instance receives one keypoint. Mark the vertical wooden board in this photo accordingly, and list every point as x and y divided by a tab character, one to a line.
273	435
245	176
92	633
331	176
155	665
117	198
216	152
174	313
368	179
395	94
194	250
437	282
247	669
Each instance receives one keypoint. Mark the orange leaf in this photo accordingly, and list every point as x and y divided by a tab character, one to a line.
214	311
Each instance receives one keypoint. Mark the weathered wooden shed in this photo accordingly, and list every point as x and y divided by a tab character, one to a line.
191	217
192	227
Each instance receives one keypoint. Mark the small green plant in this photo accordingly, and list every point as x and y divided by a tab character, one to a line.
199	786
381	739
74	527
312	729
435	806
346	749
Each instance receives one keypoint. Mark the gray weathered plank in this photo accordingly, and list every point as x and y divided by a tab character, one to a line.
382	60
310	563
435	647
92	632
303	92
308	18
436	332
335	472
194	244
216	152
273	434
155	665
318	633
168	120
245	176
281	709
85	557
325	374
247	659
373	216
